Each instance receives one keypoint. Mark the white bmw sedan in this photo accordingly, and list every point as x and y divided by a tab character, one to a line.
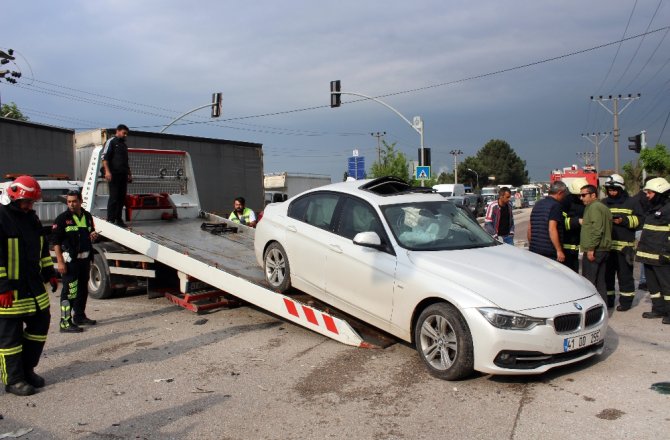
414	265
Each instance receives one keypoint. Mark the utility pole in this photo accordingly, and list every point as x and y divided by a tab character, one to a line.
586	157
455	153
379	135
596	142
616	112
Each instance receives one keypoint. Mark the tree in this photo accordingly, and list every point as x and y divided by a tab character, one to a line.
392	163
656	160
632	175
498	159
11	111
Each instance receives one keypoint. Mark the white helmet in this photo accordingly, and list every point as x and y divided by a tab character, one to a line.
615	181
577	184
657	185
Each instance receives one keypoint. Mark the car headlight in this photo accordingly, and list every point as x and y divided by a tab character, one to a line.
510	320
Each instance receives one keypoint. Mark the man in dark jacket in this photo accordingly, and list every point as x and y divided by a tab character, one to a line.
117	174
545	229
72	234
573	214
25	265
653	250
626	215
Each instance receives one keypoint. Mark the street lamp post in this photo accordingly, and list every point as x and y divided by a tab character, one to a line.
455	153
476	175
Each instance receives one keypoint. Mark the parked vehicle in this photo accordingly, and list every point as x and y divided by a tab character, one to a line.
401	259
450	189
476	204
281	186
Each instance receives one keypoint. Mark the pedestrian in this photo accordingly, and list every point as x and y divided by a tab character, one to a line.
573	214
241	214
499	219
595	239
25	265
626	215
652	250
72	235
117	174
546	226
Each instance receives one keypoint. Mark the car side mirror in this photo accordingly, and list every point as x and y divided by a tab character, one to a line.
368	239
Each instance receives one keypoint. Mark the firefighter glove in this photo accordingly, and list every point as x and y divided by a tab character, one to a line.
54	283
6	299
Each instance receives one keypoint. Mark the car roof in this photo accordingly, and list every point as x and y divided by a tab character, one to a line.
383	191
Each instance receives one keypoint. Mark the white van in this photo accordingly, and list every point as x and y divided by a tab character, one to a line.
450	189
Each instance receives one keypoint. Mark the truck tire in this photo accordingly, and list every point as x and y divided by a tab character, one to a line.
99	283
444	342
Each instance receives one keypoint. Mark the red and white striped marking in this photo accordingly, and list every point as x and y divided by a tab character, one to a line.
311	315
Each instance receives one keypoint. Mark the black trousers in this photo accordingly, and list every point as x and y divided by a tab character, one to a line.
594	271
21	348
75	287
571	259
617	266
118	187
658	281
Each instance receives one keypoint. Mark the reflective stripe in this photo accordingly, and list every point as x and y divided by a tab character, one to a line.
655	295
647	255
574	247
36	338
621	210
71	228
11	351
3	272
13	258
665	228
3	364
610	294
567	222
619	245
80	222
43	301
666	297
633	221
627	293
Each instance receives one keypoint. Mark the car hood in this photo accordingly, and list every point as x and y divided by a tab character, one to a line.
511	278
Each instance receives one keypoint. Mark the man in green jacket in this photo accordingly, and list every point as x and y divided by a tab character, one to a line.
595	239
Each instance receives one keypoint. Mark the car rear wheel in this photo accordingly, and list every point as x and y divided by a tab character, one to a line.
277	269
444	342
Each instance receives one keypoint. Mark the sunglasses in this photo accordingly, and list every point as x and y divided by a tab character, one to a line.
584	194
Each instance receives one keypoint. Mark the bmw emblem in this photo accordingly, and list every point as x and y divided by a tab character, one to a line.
577	306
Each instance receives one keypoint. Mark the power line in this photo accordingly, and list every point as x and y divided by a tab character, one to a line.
663	130
648	60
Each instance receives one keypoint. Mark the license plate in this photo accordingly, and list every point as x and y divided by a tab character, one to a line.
581	341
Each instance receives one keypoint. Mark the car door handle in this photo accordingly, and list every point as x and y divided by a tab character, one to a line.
291	228
335	248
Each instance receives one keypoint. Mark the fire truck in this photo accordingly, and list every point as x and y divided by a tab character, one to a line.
568	174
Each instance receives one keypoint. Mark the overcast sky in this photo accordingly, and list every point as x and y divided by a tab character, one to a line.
89	64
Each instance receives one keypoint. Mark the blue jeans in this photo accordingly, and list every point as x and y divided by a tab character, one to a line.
508	239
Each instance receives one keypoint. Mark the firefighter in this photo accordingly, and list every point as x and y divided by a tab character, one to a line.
626	218
72	234
25	265
573	214
652	250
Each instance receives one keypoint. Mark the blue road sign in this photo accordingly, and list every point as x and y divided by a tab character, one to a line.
422	173
356	167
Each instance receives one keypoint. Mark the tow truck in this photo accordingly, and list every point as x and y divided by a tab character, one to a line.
195	259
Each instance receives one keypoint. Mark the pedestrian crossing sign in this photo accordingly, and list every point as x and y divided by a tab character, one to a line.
422	173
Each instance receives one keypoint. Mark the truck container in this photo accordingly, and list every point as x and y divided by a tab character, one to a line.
281	186
568	174
227	169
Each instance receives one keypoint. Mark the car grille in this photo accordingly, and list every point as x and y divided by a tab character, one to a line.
528	360
567	323
594	316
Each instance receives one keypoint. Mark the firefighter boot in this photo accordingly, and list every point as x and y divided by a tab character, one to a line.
21	388
34	379
66	324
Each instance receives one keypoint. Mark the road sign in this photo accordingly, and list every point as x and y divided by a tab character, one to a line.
356	168
422	173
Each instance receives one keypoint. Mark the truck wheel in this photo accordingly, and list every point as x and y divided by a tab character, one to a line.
444	342
99	284
277	269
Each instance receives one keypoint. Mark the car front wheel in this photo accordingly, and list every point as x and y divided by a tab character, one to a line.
444	342
277	269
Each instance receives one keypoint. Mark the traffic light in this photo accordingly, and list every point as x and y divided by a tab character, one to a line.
426	157
216	104
635	143
335	96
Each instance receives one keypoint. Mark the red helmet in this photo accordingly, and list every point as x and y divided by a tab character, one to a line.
24	187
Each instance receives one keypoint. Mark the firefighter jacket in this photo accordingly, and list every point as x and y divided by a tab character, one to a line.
571	216
654	245
630	211
25	263
73	234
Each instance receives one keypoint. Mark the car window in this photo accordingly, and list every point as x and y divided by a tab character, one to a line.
316	209
434	226
358	216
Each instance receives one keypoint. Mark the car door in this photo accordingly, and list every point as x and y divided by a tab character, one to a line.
360	278
308	229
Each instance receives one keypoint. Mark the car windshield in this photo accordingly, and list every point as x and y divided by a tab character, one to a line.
434	226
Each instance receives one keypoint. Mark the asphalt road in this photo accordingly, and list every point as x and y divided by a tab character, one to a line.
153	370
